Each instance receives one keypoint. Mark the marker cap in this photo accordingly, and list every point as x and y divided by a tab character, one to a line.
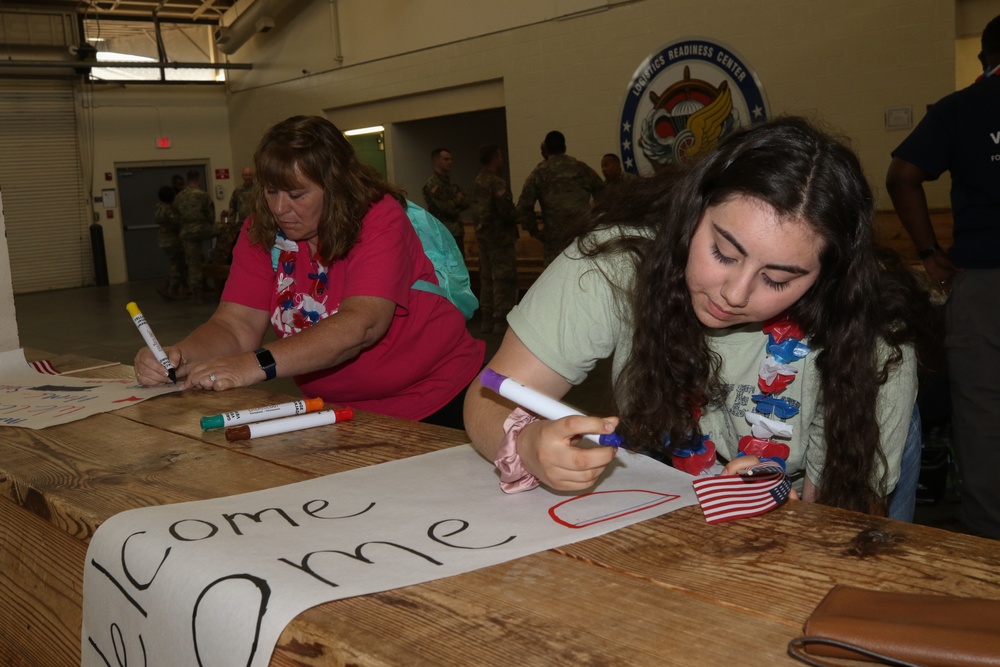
490	379
313	404
132	308
344	414
215	421
610	440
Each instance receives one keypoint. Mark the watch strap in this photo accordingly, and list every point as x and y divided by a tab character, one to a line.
928	252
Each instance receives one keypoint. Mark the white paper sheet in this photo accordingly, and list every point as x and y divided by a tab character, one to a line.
30	399
215	582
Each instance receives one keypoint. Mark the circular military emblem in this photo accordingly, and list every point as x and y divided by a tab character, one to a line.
682	100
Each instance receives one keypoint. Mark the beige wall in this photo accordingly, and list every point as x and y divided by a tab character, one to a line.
845	62
8	323
126	122
555	64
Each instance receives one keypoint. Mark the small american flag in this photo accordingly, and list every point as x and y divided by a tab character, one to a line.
755	491
44	366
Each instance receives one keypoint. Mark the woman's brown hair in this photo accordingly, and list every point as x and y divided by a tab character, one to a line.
312	147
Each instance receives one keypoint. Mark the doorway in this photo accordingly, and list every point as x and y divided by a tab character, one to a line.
137	189
371	150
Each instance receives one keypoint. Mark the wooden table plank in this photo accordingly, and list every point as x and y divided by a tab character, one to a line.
668	591
41	581
522	612
77	475
765	574
367	439
801	548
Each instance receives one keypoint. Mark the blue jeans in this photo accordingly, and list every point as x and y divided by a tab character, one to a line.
903	498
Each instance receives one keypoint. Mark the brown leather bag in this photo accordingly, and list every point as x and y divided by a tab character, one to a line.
904	629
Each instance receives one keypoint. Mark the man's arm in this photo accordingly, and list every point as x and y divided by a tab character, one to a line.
441	203
595	184
526	205
905	184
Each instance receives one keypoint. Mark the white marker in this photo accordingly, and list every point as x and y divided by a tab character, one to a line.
539	403
151	342
289	424
237	417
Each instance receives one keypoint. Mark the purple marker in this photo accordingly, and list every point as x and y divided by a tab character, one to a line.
539	403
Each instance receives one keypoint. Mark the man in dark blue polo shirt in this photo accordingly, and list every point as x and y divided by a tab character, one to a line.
961	134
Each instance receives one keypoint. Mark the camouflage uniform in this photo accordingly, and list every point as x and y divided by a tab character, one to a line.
563	186
240	202
196	213
496	234
239	210
446	201
168	239
625	177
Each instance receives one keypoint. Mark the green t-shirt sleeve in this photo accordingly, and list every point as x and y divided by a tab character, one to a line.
569	318
894	410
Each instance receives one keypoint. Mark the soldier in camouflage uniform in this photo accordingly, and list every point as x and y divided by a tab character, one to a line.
564	187
239	211
445	200
496	234
196	213
168	238
611	167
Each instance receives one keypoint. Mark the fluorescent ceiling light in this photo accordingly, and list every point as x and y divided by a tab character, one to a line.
365	130
122	57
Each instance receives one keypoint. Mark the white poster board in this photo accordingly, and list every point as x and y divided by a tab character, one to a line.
31	399
215	582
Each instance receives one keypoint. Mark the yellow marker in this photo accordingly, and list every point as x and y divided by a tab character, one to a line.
151	342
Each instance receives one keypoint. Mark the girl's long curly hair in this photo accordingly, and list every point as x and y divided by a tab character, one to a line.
313	147
862	295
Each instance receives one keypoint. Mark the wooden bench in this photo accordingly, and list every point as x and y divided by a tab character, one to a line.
529	259
889	231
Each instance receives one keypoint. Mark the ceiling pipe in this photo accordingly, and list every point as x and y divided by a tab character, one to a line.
257	18
121	64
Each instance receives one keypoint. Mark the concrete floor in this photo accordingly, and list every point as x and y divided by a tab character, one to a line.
92	321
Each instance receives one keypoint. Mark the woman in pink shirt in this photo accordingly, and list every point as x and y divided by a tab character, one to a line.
329	258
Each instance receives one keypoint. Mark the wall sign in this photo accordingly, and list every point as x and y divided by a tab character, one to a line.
682	100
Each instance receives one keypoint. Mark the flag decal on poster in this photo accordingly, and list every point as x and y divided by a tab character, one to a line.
727	497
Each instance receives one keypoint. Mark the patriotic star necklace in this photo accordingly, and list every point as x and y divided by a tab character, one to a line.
296	310
769	418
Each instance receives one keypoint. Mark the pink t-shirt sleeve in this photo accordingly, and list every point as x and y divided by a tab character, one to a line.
251	278
387	258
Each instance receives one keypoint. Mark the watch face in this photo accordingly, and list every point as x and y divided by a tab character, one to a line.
264	358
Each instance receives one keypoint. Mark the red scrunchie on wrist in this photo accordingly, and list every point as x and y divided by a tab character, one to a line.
513	477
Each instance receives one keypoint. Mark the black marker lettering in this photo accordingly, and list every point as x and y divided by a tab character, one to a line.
431	533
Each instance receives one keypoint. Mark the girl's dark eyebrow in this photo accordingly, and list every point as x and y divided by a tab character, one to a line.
729	237
787	268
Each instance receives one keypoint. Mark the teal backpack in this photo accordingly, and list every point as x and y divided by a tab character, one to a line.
448	260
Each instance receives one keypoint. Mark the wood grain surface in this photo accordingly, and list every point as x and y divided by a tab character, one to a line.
668	591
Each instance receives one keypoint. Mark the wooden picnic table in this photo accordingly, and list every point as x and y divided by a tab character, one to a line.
672	590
